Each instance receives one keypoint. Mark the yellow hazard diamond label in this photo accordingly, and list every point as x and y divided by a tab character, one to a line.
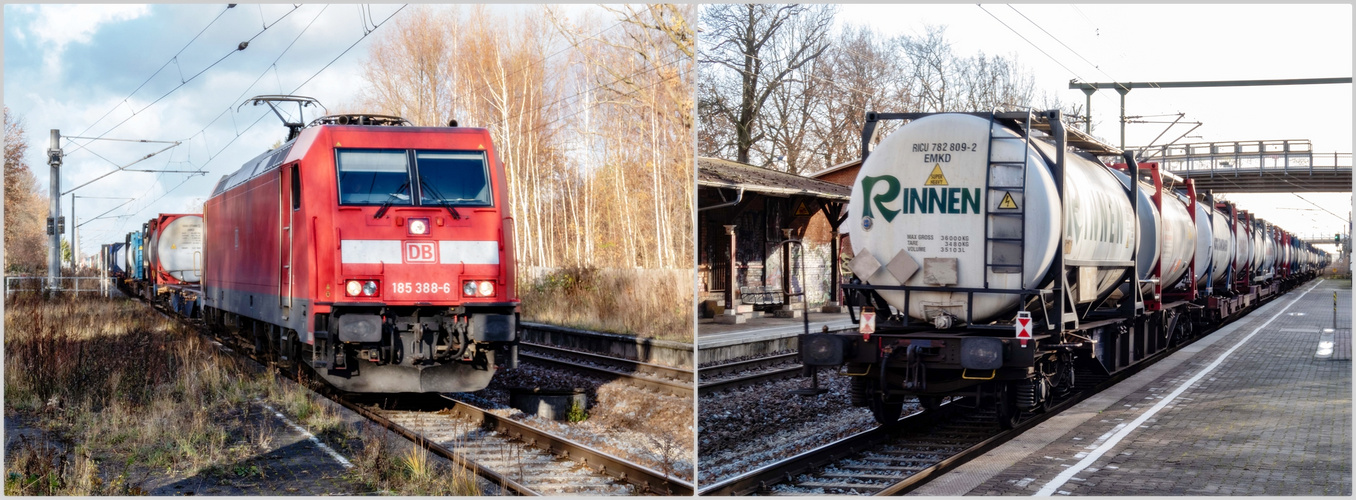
1007	202
936	178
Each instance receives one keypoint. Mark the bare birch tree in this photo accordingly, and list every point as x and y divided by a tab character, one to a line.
592	118
752	50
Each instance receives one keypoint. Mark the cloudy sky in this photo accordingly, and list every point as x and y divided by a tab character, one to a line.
112	71
1147	43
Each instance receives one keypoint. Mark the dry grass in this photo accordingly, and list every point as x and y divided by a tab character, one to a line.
134	391
650	303
400	468
124	395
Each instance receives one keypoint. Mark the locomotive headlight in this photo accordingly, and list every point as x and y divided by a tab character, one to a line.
486	288
418	226
468	289
354	287
370	288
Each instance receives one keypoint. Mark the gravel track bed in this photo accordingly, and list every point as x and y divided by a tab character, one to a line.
644	427
744	429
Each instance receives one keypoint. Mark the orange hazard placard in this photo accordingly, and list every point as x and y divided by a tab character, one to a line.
1023	326
868	324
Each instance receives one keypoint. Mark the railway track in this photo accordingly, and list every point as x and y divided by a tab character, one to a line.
525	460
658	378
895	460
738	374
518	458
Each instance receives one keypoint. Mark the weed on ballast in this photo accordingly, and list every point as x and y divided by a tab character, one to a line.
577	413
386	464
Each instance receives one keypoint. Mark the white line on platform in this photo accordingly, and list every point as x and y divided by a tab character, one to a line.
333	454
1063	477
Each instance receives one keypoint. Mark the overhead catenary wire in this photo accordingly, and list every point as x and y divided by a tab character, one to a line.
1320	207
1037	47
212	156
239	48
1061	42
1222	196
173	59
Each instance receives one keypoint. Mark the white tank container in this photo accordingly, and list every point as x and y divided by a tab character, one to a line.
1269	249
178	248
1223	246
1179	240
1204	238
919	213
1242	244
1150	228
1259	249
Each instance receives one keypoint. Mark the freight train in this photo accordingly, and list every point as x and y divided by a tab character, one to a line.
377	253
998	254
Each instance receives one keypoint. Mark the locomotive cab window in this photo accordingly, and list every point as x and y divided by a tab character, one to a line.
458	178
373	177
296	188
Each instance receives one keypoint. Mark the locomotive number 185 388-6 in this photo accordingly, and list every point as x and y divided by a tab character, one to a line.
407	287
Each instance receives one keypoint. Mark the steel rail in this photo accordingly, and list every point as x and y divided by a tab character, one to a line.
675	381
738	366
737	382
437	449
647	479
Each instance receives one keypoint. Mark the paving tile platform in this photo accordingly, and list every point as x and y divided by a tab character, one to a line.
1256	408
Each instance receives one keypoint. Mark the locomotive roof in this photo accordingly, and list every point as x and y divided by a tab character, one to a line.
269	160
266	161
728	174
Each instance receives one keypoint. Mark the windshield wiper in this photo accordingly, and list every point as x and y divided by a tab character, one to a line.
390	200
441	201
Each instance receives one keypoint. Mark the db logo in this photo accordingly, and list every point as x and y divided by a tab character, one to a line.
421	252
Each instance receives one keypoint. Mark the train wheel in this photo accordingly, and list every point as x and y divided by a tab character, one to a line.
1008	413
1047	396
886	413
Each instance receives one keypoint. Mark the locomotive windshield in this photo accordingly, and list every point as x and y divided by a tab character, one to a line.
452	178
370	177
441	178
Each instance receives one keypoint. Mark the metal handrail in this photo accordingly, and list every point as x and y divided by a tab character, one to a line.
1247	156
65	284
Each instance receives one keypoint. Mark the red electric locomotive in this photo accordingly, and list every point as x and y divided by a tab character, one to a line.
378	253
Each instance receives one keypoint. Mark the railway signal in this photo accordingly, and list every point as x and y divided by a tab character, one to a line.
60	226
